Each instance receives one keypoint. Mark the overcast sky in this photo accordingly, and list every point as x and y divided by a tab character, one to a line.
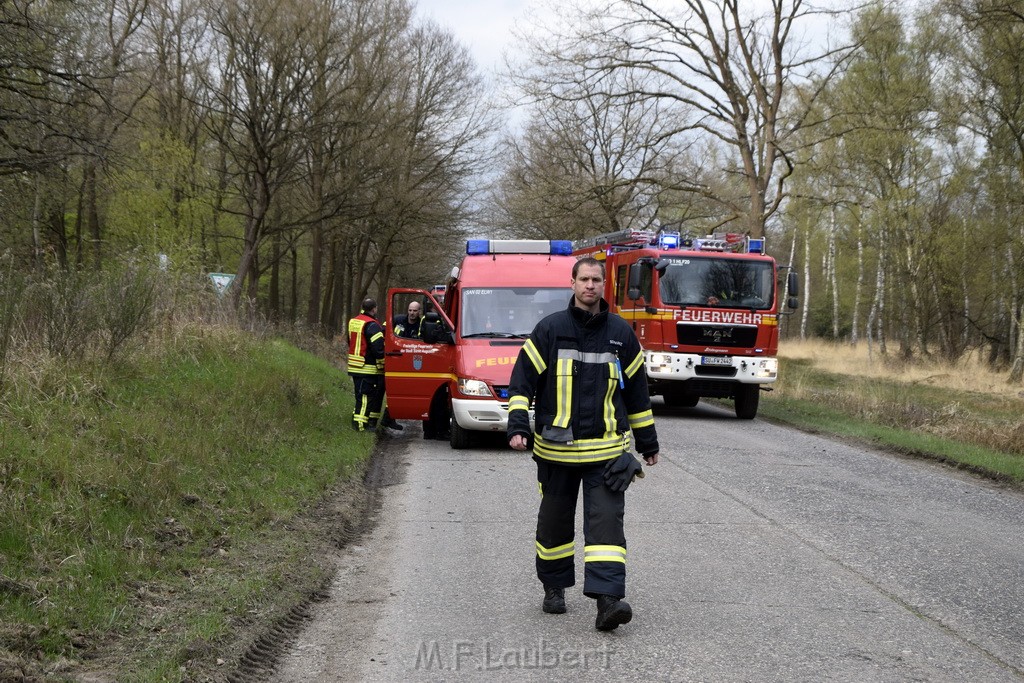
483	26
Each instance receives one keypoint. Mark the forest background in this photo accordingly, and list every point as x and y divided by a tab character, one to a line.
324	150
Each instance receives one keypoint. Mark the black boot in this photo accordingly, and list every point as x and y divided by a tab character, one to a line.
611	612
554	600
390	422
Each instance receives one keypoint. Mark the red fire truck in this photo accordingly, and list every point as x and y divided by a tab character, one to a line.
706	311
459	369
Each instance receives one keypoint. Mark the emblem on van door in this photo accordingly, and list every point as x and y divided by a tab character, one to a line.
417	362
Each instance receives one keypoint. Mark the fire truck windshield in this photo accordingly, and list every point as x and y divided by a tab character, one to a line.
509	311
719	282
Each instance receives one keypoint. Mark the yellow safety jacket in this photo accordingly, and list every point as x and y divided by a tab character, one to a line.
365	346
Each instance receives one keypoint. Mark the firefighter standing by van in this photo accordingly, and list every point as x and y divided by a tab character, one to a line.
366	368
583	369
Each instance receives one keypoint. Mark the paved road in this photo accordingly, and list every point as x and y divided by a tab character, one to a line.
757	553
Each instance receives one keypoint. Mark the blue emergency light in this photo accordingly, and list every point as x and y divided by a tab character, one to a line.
561	247
755	245
668	240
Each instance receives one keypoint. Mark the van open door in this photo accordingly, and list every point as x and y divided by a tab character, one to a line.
417	370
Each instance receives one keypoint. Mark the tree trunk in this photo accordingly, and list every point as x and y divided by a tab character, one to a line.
274	304
1017	369
37	243
92	216
293	304
831	275
805	314
316	256
859	288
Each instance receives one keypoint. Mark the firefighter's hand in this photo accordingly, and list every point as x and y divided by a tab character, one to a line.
651	459
517	442
620	472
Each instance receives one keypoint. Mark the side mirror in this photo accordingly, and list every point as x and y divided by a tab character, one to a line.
793	285
792	303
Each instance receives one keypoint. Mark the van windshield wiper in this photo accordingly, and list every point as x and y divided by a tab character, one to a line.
496	335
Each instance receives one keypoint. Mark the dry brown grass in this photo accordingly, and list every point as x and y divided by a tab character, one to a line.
964	402
968	374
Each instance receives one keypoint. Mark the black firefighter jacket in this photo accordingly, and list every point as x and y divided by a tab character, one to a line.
585	374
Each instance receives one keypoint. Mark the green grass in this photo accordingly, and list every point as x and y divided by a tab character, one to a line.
978	431
124	488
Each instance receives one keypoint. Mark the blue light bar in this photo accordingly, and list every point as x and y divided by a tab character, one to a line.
755	245
557	247
668	240
476	247
561	247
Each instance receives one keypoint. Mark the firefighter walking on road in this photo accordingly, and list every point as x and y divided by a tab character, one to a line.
583	370
366	368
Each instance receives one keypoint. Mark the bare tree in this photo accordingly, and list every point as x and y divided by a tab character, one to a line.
735	72
588	161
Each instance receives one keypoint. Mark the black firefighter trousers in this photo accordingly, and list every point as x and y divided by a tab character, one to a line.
369	395
604	570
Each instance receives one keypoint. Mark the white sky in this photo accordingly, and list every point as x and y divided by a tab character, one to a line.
483	26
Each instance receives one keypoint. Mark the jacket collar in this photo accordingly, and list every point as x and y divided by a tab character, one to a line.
586	318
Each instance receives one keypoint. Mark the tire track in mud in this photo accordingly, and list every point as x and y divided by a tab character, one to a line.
357	507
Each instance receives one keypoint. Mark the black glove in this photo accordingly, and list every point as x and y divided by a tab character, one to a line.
620	472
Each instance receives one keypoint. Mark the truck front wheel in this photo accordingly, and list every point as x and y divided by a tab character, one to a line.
747	397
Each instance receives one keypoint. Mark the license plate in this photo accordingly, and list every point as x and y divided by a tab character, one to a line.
716	360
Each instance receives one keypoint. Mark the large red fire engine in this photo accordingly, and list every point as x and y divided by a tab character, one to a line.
706	311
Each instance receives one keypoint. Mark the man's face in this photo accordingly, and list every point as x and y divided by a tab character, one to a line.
413	312
588	285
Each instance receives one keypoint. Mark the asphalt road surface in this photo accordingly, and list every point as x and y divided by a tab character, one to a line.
756	553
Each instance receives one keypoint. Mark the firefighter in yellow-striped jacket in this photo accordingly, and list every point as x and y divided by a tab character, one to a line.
583	370
366	368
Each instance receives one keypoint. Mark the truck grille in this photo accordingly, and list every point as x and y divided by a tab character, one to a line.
717	335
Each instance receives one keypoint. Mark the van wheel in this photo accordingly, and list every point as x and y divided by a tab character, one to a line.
747	397
460	438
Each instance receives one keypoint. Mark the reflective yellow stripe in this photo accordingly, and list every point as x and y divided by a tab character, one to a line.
609	406
604	553
635	365
422	375
534	355
644	419
365	370
518	403
563	393
379	335
355	326
567	550
581	450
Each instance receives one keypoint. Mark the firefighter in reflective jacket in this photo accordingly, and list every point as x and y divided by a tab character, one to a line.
583	369
366	366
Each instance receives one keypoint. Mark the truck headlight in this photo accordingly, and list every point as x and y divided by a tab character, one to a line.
767	367
660	361
473	387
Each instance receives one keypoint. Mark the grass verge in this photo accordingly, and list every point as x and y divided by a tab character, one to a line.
143	505
975	430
